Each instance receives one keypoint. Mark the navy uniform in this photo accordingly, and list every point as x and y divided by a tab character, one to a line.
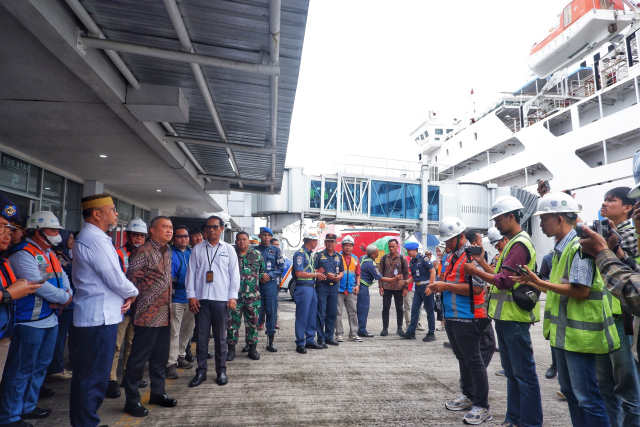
274	261
420	268
369	273
304	295
327	292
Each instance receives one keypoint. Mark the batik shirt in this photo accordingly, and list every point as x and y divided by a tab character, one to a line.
252	267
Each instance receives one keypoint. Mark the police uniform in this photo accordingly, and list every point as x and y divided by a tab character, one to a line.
274	262
369	274
327	293
420	268
304	295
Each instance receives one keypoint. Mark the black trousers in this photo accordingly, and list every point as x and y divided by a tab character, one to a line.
465	340
212	315
488	344
149	344
386	305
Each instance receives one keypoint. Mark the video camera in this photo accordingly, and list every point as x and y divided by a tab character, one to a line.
473	250
601	227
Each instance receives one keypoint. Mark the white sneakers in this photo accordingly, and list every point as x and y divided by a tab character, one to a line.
356	339
460	403
477	415
339	338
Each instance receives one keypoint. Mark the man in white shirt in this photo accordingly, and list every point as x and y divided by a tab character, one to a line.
103	294
213	281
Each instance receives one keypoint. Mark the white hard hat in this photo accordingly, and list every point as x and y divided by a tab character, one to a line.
635	191
43	219
505	204
494	235
450	227
310	235
442	246
348	239
557	202
137	226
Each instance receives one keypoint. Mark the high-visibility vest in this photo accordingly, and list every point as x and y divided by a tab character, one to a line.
364	259
581	326
501	303
33	307
616	308
7	277
459	306
309	268
123	254
348	281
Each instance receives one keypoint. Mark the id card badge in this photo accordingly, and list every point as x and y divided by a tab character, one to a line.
209	276
268	265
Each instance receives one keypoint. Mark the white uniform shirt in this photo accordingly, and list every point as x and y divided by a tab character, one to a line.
101	286
226	275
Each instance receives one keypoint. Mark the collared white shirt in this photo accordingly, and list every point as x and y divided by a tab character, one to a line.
101	286
226	274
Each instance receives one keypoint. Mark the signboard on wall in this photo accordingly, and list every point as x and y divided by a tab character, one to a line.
14	173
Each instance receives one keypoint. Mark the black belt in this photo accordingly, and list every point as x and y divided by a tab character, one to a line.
306	284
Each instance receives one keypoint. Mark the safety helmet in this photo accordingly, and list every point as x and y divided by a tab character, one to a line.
635	191
557	202
442	247
348	239
505	204
450	227
310	235
137	226
43	219
494	235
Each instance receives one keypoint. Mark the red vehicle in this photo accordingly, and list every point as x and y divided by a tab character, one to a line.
365	237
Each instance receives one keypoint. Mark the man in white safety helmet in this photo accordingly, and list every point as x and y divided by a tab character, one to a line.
349	289
466	320
578	319
36	322
513	319
135	235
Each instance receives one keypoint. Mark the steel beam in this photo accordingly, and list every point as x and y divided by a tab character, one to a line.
243	147
236	179
275	8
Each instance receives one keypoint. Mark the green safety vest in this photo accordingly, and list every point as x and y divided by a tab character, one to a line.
580	326
616	308
501	303
308	268
362	281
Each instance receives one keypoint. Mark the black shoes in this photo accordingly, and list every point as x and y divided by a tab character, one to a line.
231	352
113	391
365	335
551	372
246	348
313	346
384	332
183	364
36	414
429	337
164	401
270	347
399	331
136	410
209	355
447	344
300	349
197	380
222	378
46	393
407	335
188	356
322	344
171	373
253	353
332	342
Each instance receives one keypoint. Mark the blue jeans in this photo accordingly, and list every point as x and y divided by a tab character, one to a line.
306	314
363	309
524	403
269	305
618	382
29	356
327	310
577	378
420	298
57	362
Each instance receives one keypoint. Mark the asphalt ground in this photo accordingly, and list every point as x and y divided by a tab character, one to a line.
383	381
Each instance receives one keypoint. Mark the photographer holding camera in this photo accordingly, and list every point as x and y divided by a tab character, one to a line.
514	307
578	320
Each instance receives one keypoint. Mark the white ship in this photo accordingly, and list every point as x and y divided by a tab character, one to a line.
578	129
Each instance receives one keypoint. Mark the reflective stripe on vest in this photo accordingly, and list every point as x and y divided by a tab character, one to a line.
309	268
33	307
460	305
362	281
580	326
501	303
123	253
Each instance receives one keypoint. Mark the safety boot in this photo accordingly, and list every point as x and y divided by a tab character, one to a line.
270	347
253	353
231	353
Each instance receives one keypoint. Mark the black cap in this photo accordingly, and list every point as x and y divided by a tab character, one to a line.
8	210
330	236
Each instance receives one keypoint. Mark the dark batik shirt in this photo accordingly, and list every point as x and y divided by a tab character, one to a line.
150	270
252	267
387	267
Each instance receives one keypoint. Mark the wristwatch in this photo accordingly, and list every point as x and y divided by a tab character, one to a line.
6	297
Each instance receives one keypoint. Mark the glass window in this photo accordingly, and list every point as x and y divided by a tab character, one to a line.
314	196
330	196
72	206
146	216
437	139
433	203
379	198
14	173
449	130
413	201
438	131
52	207
53	187
422	137
35	175
125	211
460	144
426	134
396	199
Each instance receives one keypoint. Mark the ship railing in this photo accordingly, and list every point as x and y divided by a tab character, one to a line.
379	167
614	66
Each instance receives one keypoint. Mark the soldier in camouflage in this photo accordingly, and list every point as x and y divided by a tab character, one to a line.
252	267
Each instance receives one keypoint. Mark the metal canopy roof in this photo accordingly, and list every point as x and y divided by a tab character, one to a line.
236	30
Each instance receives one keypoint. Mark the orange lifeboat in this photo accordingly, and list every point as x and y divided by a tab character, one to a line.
582	27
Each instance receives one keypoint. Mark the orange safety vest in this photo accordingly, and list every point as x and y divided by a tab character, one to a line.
33	307
123	253
459	306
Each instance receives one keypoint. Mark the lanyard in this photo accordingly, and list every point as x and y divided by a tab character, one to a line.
214	255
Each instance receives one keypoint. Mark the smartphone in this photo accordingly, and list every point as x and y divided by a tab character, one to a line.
523	270
512	270
546	185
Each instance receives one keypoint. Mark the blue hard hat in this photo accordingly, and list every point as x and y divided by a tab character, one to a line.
411	246
635	192
8	210
266	230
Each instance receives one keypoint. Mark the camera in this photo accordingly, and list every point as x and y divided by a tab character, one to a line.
473	250
601	227
546	185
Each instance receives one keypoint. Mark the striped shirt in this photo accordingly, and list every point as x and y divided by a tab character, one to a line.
621	280
582	270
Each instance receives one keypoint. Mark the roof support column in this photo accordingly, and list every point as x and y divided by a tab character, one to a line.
275	7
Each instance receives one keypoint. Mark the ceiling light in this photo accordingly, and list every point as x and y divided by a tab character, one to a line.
47	188
159	191
104	156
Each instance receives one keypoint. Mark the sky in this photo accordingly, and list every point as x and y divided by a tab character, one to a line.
371	71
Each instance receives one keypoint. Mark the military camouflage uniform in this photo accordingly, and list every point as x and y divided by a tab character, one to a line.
252	267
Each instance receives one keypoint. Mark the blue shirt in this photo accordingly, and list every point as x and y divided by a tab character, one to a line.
301	260
420	268
582	270
179	264
273	260
330	264
368	270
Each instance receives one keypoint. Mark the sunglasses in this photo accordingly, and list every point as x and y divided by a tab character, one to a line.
212	227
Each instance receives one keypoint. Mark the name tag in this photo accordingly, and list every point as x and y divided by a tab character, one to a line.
209	276
417	272
268	265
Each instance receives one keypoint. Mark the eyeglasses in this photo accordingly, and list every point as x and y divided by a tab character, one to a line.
7	228
137	234
184	236
212	227
111	209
